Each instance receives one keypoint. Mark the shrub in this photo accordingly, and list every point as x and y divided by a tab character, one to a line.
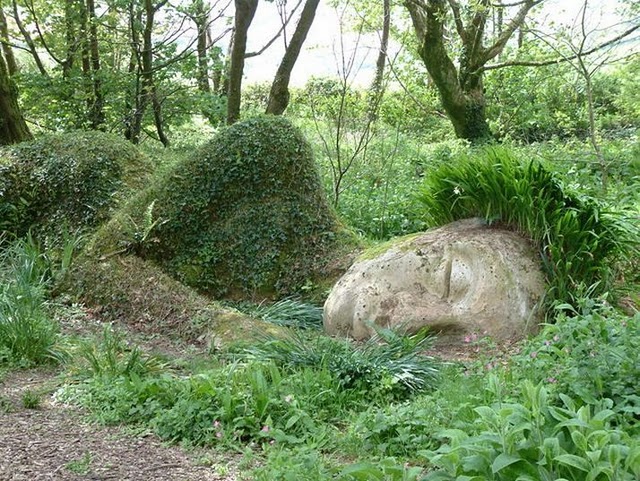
246	214
66	181
579	238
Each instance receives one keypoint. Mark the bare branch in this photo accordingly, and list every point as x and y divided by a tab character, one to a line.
514	24
543	63
276	36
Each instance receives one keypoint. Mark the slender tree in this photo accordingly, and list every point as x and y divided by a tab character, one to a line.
245	11
96	100
377	86
279	94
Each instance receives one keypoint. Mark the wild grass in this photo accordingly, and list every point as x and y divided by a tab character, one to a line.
388	362
285	312
581	240
28	336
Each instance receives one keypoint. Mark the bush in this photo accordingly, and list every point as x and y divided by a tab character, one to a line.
245	215
66	181
579	238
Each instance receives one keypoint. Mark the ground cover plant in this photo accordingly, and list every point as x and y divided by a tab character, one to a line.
66	182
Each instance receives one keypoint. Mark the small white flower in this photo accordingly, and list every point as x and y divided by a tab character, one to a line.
457	190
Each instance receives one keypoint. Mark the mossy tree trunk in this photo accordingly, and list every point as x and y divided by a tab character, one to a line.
461	86
279	94
12	65
13	128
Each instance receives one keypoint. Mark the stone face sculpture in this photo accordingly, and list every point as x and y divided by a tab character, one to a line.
466	277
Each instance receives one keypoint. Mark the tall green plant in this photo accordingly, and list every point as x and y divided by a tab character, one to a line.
27	335
580	239
387	363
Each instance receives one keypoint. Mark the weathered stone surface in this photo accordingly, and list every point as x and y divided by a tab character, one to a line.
462	278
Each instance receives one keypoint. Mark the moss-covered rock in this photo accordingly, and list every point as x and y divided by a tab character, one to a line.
66	181
135	292
245	215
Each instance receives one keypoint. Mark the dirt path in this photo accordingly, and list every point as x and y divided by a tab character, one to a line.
54	442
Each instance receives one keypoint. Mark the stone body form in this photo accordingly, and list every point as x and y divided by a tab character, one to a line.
463	278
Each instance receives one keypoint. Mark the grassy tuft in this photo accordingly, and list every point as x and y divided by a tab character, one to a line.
286	312
581	240
388	362
27	335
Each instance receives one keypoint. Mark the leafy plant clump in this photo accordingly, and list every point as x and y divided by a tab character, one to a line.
533	439
581	240
28	336
387	363
245	215
66	181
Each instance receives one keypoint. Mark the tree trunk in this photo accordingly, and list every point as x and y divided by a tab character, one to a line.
377	87
96	111
279	94
28	40
245	11
148	82
135	101
12	65
13	128
72	17
461	88
461	92
201	19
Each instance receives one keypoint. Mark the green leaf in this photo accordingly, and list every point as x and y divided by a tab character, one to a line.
573	461
502	461
361	471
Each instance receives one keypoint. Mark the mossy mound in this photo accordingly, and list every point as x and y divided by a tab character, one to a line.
66	181
136	292
245	216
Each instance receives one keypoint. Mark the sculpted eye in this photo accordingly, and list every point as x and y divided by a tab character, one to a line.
460	279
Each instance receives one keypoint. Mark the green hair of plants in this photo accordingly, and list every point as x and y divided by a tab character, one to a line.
581	240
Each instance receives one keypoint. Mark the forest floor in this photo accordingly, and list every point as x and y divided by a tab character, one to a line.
57	442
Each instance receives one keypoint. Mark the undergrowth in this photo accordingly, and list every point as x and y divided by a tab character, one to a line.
28	335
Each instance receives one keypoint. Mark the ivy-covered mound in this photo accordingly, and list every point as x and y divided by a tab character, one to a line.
245	215
66	181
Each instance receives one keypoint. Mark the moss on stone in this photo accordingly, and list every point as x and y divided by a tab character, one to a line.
382	247
133	291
